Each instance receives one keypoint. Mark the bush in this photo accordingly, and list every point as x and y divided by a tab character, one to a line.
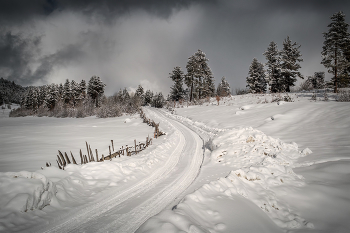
240	91
20	112
343	96
278	98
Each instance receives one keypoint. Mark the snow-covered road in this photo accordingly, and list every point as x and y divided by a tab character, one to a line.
127	210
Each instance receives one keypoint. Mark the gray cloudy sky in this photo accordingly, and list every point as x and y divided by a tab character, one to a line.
132	42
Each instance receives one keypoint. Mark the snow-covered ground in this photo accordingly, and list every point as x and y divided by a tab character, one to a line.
268	167
290	159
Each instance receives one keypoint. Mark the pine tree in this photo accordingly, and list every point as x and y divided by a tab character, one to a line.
318	80
67	92
274	76
82	87
52	97
75	92
148	97
125	96
95	89
139	92
176	91
290	56
139	97
199	76
335	46
256	81
158	100
208	86
223	88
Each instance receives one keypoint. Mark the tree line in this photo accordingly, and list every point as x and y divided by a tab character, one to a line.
199	80
282	67
73	99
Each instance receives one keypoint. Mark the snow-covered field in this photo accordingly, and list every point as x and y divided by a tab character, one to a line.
288	161
268	167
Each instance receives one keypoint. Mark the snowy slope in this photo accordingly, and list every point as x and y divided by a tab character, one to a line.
313	196
268	167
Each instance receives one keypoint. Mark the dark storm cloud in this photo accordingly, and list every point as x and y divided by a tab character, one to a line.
19	11
69	54
17	53
130	42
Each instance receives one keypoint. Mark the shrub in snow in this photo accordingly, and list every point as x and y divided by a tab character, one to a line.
20	112
343	96
285	98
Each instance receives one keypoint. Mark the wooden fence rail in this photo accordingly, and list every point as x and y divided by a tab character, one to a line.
63	160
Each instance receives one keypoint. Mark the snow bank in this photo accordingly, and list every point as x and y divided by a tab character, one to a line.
264	163
24	191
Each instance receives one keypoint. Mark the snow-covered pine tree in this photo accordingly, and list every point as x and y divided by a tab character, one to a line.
76	92
208	86
82	91
140	92
125	96
318	80
42	94
290	58
198	74
176	91
158	100
67	92
139	97
223	88
335	45
52	96
60	91
148	97
95	89
274	76
256	81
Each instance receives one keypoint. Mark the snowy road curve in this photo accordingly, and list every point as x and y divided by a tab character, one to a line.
127	210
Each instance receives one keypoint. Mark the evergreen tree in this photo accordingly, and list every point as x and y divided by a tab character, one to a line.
223	88
139	91
52	96
139	97
199	76
290	56
158	100
60	91
208	87
95	89
125	96
176	91
256	81
82	87
75	92
67	92
148	97
318	80
335	47
274	76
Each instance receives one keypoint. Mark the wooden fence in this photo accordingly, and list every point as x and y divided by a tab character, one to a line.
63	159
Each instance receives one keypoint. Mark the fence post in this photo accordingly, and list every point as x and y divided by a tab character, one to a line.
81	157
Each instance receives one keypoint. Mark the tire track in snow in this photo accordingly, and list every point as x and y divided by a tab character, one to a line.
90	218
137	216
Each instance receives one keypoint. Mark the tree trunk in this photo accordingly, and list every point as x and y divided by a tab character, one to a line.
191	90
335	71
